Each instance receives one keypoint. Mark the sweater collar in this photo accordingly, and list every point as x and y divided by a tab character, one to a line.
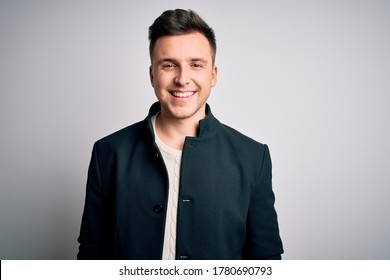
206	126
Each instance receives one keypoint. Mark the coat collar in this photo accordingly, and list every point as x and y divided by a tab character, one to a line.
206	126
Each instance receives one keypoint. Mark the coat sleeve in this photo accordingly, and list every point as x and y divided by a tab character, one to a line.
92	234
262	238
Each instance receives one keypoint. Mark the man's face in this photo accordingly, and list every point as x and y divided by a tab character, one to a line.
182	75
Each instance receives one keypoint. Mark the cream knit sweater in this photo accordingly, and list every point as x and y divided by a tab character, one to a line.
172	160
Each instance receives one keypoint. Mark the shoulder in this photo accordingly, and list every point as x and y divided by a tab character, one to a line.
123	138
229	138
236	137
240	146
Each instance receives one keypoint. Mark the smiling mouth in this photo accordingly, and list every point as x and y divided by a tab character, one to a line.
182	94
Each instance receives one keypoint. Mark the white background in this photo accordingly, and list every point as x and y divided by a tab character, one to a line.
309	78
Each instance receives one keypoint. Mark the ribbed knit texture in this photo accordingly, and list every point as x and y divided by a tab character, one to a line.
172	160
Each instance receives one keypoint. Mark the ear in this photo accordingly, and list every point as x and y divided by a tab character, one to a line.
151	75
214	76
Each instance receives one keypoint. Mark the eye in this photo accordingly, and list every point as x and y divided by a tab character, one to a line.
168	66
197	65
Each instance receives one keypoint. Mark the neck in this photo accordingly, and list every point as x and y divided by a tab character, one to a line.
173	131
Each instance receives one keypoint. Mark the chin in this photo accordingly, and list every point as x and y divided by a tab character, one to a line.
182	114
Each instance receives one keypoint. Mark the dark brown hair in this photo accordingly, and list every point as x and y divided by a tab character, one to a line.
180	22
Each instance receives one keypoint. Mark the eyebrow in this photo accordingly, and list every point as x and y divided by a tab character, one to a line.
192	59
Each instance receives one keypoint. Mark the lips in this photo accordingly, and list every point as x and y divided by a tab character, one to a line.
182	94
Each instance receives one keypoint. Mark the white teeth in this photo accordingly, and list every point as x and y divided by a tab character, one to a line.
182	94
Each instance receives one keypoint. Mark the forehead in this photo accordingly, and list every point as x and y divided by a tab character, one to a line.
183	46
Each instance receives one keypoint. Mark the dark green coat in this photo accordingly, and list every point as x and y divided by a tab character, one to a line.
225	208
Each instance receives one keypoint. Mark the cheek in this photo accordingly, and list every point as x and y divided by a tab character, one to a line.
207	79
162	79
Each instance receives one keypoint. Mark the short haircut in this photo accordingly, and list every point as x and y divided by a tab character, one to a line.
180	22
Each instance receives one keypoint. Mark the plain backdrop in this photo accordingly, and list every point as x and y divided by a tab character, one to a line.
309	78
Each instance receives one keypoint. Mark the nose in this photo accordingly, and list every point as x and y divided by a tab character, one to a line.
182	77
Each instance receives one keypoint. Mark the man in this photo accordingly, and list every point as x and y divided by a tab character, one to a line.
179	184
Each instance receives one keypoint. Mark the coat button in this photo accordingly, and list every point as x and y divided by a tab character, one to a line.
184	257
158	209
